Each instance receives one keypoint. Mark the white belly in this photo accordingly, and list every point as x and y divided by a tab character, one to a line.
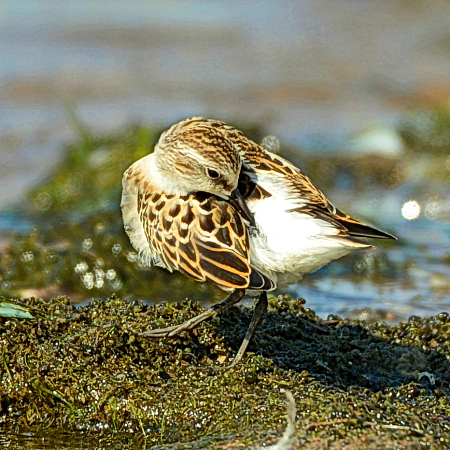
288	245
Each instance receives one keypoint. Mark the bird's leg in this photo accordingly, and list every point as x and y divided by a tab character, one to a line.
258	314
190	324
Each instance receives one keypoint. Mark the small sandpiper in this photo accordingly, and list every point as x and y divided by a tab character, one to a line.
218	207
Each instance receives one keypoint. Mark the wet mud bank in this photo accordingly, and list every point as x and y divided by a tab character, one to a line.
87	371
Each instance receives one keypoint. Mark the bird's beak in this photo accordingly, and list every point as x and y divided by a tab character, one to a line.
238	202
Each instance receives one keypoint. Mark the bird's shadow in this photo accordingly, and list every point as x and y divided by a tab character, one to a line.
346	353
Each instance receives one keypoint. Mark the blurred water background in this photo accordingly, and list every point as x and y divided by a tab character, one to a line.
358	92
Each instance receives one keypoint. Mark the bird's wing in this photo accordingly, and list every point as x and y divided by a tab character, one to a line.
201	236
305	197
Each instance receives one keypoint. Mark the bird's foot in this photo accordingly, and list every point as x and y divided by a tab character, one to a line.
190	324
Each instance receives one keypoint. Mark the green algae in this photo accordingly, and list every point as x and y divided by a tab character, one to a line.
89	175
87	370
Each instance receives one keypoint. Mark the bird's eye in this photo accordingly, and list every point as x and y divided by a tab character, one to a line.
212	173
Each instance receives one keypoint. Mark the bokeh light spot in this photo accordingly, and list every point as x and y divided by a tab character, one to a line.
411	210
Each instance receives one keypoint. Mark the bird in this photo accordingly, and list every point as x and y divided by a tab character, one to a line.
216	206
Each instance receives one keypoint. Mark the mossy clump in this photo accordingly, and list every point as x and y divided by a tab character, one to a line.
88	370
